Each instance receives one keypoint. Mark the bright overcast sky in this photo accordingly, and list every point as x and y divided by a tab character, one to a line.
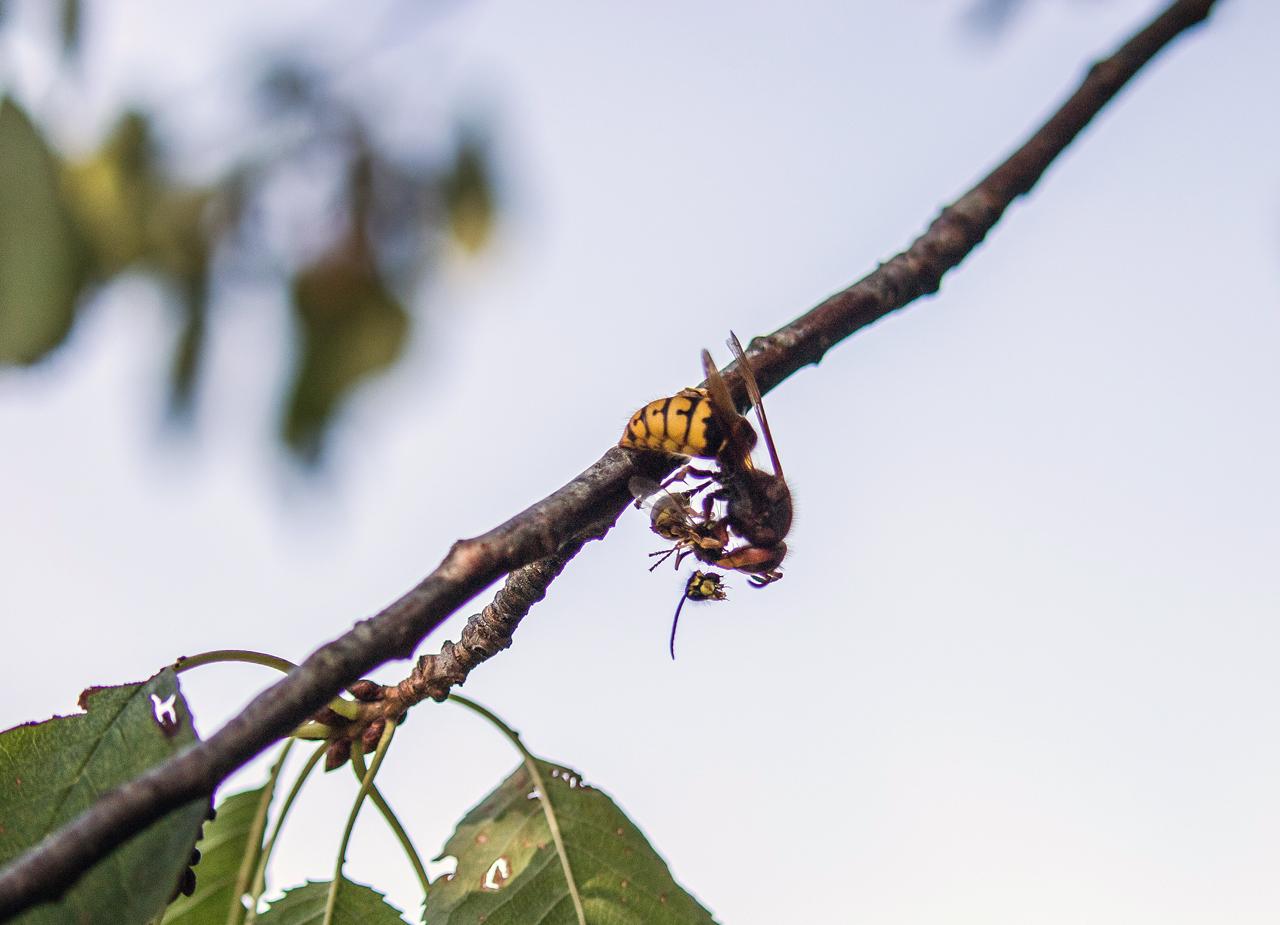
1025	664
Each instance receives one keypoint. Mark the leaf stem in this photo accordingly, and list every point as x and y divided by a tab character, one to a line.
260	876
313	730
187	662
365	785
344	708
532	764
253	843
357	765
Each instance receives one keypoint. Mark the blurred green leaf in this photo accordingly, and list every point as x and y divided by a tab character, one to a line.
179	247
68	224
468	195
132	215
187	354
222	851
351	327
51	771
70	22
509	872
357	905
43	263
108	194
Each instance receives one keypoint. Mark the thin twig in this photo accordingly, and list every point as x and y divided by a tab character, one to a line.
253	844
259	885
335	885
486	634
357	765
585	507
344	708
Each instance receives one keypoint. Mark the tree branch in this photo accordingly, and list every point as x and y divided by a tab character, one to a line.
584	507
486	633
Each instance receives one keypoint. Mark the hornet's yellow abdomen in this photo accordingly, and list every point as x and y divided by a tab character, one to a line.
684	424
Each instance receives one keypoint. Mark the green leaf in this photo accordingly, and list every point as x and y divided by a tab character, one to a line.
509	872
43	261
468	195
51	771
357	905
131	215
351	327
71	22
221	853
109	195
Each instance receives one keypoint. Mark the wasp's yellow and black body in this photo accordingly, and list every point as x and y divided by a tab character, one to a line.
685	424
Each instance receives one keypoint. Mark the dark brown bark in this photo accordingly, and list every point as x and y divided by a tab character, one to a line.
585	507
486	634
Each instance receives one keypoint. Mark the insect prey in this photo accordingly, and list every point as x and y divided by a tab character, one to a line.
701	586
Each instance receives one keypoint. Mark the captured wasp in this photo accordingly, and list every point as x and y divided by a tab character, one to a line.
704	423
672	517
701	586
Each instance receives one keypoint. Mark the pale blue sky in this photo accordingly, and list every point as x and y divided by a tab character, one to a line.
1025	664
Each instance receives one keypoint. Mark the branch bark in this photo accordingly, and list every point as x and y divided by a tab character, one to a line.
585	507
486	633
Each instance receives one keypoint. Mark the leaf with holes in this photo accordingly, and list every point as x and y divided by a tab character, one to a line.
357	905
509	871
222	851
51	771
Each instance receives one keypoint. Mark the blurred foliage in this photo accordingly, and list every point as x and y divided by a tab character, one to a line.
468	197
129	215
70	25
991	19
68	227
43	259
350	324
